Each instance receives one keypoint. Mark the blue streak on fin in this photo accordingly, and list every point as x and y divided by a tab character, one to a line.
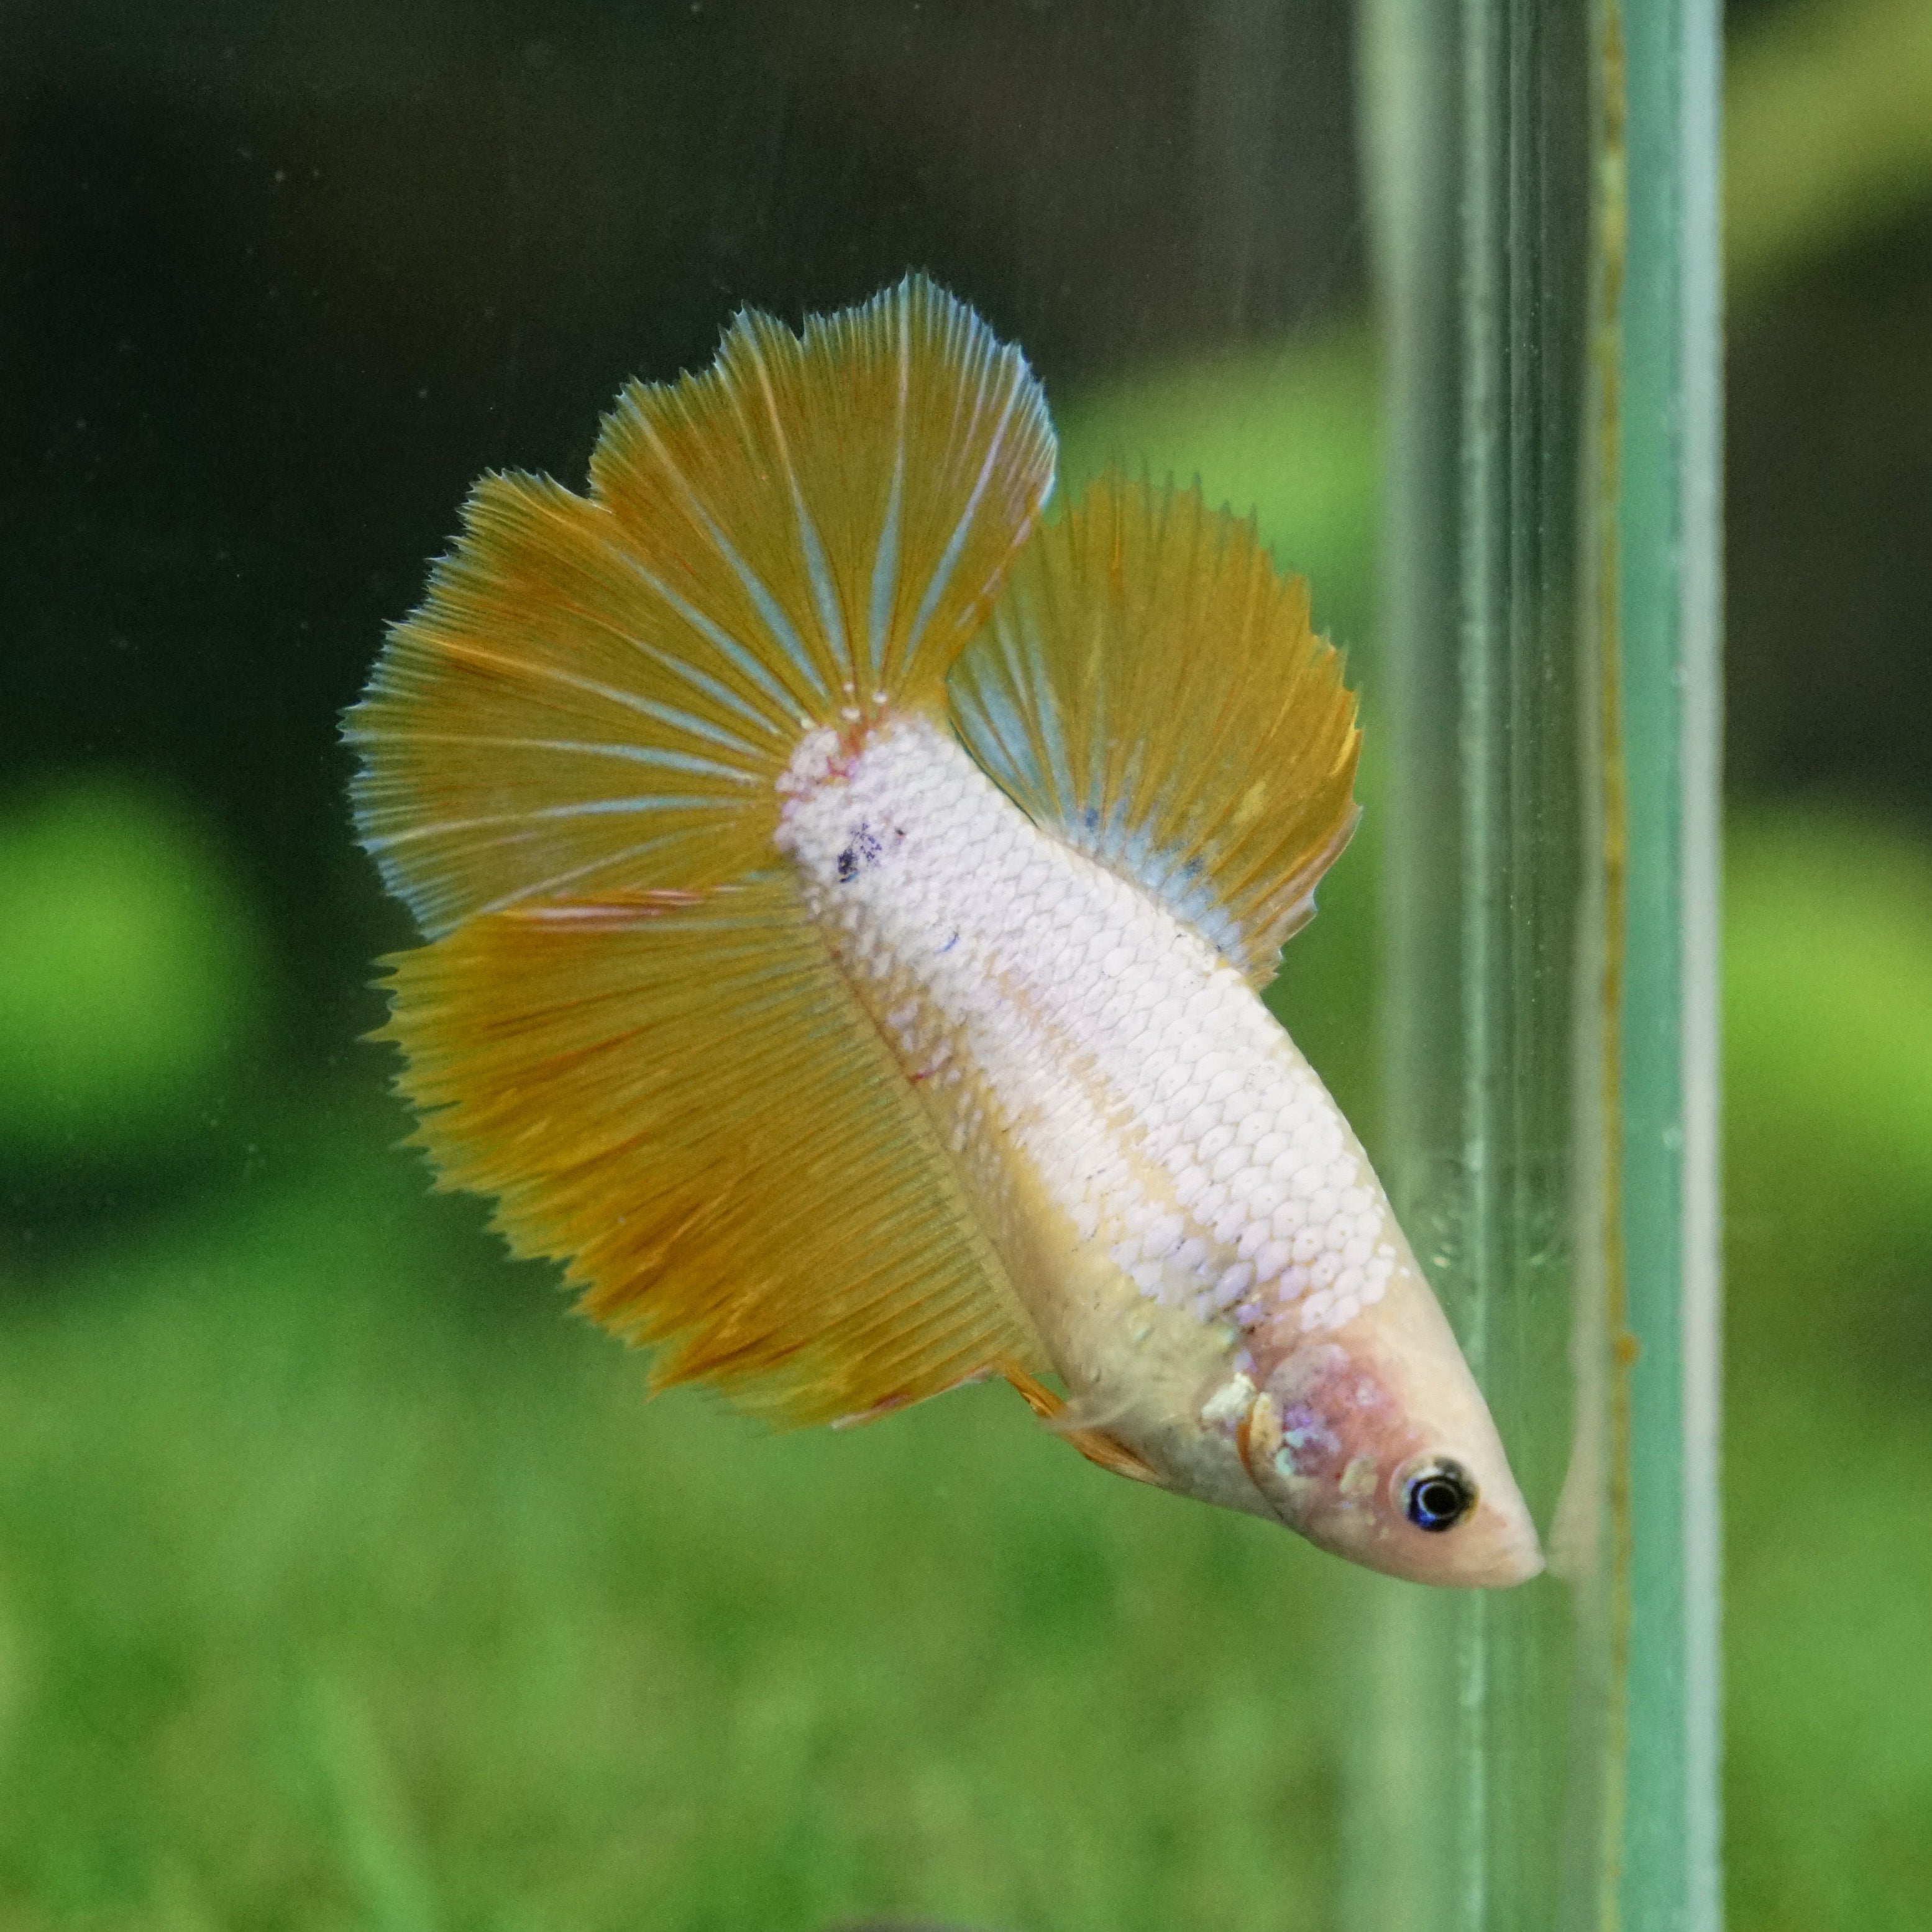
885	574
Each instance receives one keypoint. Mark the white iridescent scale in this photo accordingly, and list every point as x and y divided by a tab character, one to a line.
1083	1051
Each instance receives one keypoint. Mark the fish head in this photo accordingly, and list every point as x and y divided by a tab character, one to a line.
1373	1440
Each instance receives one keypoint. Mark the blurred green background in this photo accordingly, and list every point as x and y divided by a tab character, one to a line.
344	1582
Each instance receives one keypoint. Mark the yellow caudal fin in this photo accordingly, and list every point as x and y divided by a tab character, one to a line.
672	1093
598	692
1151	688
625	1028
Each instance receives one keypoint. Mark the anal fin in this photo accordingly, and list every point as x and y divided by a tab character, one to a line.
677	1094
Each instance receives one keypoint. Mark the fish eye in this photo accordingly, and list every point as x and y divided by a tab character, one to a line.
1438	1496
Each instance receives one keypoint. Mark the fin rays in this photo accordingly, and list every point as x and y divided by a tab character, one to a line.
814	526
677	1095
1151	686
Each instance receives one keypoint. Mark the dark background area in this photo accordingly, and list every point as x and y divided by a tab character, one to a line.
1828	550
287	278
278	280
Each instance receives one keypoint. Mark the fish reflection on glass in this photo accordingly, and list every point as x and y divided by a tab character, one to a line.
845	901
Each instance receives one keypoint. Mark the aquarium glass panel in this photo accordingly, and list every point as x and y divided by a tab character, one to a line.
1542	183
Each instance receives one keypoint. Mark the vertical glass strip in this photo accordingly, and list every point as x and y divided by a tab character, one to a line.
1545	229
1479	133
1668	647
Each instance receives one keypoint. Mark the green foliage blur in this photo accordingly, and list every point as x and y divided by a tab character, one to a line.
345	1581
130	979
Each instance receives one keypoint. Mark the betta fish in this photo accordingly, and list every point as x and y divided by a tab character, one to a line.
846	899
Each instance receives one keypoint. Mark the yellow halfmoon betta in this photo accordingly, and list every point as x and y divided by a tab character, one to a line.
845	902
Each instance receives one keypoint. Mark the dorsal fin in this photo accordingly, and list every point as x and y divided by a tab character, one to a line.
598	692
678	1095
1150	686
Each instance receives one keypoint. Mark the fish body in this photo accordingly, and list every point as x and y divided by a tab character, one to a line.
1184	1212
900	1026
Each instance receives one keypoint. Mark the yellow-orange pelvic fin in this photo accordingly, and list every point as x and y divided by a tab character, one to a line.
1151	686
678	1095
598	692
1096	1444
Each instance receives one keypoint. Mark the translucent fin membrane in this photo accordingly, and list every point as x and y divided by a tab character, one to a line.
598	692
1150	686
677	1095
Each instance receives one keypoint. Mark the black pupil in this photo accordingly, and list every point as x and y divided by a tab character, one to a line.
1438	1500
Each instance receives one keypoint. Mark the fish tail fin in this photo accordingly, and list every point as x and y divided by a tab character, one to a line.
1150	687
599	692
626	1028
